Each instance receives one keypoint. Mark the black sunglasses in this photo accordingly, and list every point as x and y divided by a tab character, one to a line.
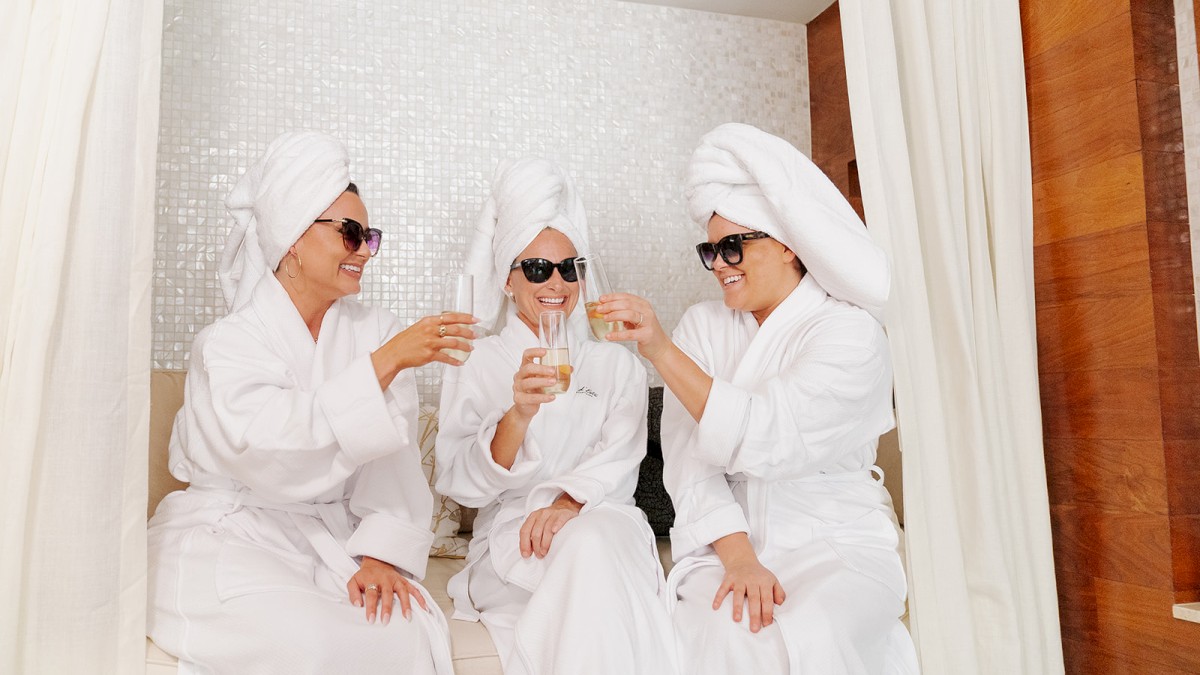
353	234
729	247
538	270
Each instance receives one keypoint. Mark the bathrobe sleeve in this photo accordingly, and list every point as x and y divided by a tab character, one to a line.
705	508
819	413
285	442
609	471
390	494
473	401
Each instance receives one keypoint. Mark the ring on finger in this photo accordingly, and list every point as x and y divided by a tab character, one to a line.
372	587
640	318
442	330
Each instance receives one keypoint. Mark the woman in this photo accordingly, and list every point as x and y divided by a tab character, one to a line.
786	545
562	569
307	515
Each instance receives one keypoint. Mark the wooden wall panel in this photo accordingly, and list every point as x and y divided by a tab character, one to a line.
1110	264
1113	475
1091	199
1119	360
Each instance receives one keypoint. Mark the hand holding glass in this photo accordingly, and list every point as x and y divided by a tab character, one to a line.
459	297
552	336
593	283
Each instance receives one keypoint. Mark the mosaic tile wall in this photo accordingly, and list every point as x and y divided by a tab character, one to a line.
429	97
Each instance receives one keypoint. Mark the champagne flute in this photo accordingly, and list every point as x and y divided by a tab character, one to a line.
593	283
460	295
552	336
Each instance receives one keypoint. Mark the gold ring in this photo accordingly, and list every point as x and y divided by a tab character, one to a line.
640	318
442	330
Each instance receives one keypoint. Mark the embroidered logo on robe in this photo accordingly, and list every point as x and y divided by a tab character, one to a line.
586	392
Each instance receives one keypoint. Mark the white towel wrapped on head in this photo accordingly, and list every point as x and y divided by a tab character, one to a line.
275	202
528	196
762	182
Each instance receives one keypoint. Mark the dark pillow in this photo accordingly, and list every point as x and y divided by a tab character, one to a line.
650	494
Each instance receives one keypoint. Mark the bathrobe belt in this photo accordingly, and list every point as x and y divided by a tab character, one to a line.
318	523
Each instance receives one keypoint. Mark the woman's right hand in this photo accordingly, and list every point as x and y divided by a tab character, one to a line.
530	382
750	584
642	325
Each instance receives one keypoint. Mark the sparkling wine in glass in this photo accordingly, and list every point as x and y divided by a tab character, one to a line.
552	336
460	296
593	283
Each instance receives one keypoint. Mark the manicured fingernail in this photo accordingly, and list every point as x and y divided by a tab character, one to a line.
371	618
387	618
408	614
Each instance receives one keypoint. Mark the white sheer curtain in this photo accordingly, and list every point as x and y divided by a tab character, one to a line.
937	99
78	133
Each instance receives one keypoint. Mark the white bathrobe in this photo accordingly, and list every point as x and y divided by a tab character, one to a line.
784	452
595	604
298	464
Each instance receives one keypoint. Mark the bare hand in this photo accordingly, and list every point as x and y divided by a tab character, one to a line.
529	384
541	526
422	342
641	323
375	586
752	585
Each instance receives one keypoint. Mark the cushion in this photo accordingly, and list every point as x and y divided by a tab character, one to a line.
447	514
650	495
166	397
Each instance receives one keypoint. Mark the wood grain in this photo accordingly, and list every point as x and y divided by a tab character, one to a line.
1133	548
1101	404
1085	132
1048	23
1185	551
1179	391
1127	619
1095	267
1100	334
1102	196
1085	65
1128	476
1183	475
1175	332
1154	46
1084	658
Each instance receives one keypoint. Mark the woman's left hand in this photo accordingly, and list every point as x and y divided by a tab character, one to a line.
541	525
375	586
641	323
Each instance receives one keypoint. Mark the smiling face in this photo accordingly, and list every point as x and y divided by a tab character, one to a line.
327	271
766	275
554	293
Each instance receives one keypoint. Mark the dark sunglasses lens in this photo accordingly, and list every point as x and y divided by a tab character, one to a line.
567	269
537	270
707	253
374	239
731	249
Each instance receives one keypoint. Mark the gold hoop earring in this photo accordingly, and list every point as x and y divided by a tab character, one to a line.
287	268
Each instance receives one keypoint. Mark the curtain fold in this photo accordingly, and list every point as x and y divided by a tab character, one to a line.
78	138
937	101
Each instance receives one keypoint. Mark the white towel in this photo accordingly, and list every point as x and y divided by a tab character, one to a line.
275	202
528	196
762	182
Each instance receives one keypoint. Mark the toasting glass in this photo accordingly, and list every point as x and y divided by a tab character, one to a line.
460	297
593	283
552	336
